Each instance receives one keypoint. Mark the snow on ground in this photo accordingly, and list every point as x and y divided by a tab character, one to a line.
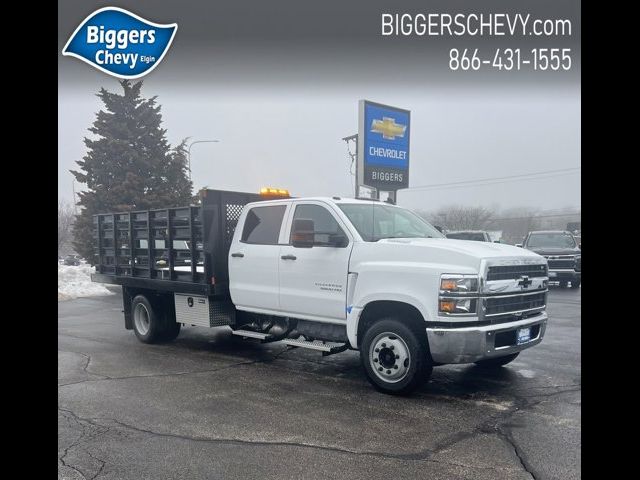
74	282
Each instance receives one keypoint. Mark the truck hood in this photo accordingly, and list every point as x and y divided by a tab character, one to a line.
416	257
469	248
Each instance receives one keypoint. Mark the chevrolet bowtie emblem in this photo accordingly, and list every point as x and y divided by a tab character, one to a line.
525	281
388	128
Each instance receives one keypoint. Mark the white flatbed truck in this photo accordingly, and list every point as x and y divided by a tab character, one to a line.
328	274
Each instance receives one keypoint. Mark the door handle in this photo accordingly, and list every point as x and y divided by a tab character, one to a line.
288	257
237	254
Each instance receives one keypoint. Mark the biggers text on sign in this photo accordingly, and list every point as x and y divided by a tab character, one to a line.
120	43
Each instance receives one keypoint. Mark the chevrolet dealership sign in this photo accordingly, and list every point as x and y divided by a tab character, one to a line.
383	146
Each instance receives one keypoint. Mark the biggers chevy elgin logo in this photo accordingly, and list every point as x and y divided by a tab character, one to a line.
120	43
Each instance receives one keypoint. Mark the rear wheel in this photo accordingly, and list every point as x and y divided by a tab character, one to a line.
575	283
170	328
563	284
147	324
395	358
171	331
498	361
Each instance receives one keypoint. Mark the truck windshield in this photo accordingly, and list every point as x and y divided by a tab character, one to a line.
374	222
553	240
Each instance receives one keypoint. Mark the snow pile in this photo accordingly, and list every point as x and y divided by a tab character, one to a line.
74	282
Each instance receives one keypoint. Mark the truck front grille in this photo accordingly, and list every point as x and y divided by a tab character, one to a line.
561	261
509	272
514	303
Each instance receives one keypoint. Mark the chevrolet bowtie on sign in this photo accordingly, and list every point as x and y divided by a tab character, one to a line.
388	128
383	146
120	43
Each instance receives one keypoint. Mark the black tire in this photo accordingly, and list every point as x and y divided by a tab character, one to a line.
575	283
416	368
171	331
497	362
147	324
170	328
563	284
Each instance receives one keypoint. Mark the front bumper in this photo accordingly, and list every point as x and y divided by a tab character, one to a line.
563	274
470	344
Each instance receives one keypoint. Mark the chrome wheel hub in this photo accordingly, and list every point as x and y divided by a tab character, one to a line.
141	319
389	357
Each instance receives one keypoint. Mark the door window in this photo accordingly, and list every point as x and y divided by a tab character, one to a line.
262	225
325	225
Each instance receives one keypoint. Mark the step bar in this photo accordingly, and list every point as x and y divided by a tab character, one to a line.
250	334
327	348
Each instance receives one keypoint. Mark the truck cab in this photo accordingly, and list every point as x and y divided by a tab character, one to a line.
383	280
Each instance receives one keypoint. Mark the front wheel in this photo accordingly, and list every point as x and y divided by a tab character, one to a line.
563	284
575	283
497	361
395	358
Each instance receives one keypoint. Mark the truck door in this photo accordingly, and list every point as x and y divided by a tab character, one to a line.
313	280
254	258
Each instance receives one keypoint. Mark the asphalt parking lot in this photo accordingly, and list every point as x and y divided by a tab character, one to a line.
211	405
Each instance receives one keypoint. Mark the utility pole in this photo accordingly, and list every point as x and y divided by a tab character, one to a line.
354	158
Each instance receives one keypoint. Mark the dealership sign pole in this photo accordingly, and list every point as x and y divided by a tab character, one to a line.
383	148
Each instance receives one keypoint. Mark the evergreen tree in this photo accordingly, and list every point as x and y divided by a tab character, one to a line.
129	164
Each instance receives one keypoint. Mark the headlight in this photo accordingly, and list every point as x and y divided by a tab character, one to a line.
458	294
458	283
457	305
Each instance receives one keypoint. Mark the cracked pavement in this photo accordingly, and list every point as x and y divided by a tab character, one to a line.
211	405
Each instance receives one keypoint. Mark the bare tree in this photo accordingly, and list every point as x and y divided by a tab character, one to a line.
458	217
516	222
65	224
513	223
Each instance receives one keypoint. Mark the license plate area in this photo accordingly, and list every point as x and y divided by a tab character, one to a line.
515	337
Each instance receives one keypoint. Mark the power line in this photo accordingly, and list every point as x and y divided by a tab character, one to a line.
533	217
493	180
577	208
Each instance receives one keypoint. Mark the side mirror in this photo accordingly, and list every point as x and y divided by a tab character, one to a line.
338	240
302	233
519	245
580	246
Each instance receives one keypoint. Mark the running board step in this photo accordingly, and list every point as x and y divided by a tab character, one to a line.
326	348
250	334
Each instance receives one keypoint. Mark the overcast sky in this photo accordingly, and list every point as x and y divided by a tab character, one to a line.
280	108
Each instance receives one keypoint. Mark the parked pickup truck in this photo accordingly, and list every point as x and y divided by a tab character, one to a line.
563	253
329	274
